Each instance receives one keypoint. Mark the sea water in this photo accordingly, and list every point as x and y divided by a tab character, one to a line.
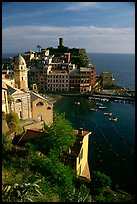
111	144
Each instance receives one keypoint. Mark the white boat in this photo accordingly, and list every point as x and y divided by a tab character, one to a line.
104	99
108	114
77	103
102	107
113	119
93	109
99	104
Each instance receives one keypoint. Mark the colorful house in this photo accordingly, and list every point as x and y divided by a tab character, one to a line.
77	156
42	109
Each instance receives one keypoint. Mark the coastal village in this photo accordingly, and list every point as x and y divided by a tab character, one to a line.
29	83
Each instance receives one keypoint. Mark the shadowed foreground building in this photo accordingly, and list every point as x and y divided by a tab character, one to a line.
5	107
77	156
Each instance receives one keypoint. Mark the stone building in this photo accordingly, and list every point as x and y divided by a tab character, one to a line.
107	79
21	103
5	107
42	109
77	156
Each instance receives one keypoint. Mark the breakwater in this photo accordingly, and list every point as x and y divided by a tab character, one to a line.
113	97
117	98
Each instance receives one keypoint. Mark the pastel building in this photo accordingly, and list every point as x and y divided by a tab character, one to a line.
77	156
58	80
42	109
87	78
5	107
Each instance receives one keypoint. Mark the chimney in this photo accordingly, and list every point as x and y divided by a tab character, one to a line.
80	131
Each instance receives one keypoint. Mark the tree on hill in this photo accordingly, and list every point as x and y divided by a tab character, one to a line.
99	182
10	100
13	122
59	138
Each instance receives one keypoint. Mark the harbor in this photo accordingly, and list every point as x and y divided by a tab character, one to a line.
111	145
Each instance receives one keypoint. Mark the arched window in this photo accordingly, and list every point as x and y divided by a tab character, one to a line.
40	104
18	101
48	108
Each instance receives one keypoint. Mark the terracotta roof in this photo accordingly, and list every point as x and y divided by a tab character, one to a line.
30	134
83	134
34	133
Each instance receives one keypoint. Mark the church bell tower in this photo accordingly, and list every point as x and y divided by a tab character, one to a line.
21	73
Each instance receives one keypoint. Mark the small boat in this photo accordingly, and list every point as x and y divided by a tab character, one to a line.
108	114
77	103
102	107
113	119
99	104
104	99
93	109
90	97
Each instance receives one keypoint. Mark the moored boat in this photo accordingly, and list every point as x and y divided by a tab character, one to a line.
102	107
77	103
113	119
99	104
93	109
108	113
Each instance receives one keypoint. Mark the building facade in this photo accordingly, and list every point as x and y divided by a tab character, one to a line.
21	103
87	78
107	79
42	109
77	156
5	106
58	80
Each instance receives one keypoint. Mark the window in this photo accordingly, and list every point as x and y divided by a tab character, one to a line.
39	118
48	108
40	104
22	78
80	170
18	101
81	155
20	114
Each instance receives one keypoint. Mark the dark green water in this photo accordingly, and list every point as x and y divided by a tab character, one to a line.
111	144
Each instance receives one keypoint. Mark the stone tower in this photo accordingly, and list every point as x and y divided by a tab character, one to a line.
21	73
61	42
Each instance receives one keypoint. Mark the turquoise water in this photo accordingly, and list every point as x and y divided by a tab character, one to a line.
111	144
